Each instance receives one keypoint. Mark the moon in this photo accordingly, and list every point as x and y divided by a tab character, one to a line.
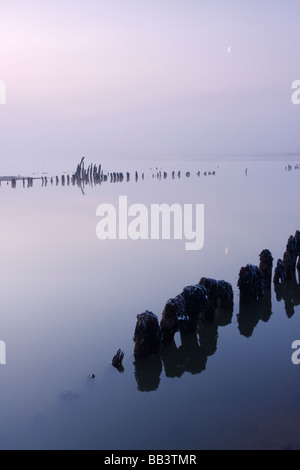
229	49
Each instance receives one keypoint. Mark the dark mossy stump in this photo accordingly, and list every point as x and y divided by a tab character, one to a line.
266	266
182	312
225	295
147	335
279	273
297	239
225	304
290	257
117	360
220	299
211	286
250	284
195	301
172	315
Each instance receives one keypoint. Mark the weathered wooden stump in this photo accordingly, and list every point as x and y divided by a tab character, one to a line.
225	295
147	371
211	286
147	335
290	257
173	313
182	312
297	240
251	284
117	360
279	273
220	297
195	300
266	266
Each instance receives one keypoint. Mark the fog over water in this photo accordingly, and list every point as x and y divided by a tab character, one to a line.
147	80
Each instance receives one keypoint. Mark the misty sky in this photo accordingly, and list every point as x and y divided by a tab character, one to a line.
148	79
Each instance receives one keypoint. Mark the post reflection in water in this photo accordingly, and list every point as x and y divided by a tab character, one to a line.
191	356
250	314
289	292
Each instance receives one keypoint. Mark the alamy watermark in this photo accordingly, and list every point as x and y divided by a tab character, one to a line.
2	92
2	353
296	353
296	93
159	222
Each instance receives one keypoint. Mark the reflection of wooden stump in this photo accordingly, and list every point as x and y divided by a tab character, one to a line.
279	273
147	335
250	283
223	316
289	291
248	317
147	371
208	336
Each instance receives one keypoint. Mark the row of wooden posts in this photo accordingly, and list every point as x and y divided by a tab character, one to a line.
95	175
203	300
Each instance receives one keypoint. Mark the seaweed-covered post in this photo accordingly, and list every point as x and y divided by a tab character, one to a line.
266	266
290	257
250	283
182	313
225	304
225	295
211	285
173	312
279	273
220	297
117	360
195	300
297	239
147	335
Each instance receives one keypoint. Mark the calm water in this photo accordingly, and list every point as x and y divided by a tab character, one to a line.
70	300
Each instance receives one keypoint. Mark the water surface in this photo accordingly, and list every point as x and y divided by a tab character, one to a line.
70	300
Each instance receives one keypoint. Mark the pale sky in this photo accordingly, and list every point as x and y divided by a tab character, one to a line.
148	79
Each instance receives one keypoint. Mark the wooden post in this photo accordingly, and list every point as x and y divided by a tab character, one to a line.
147	335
